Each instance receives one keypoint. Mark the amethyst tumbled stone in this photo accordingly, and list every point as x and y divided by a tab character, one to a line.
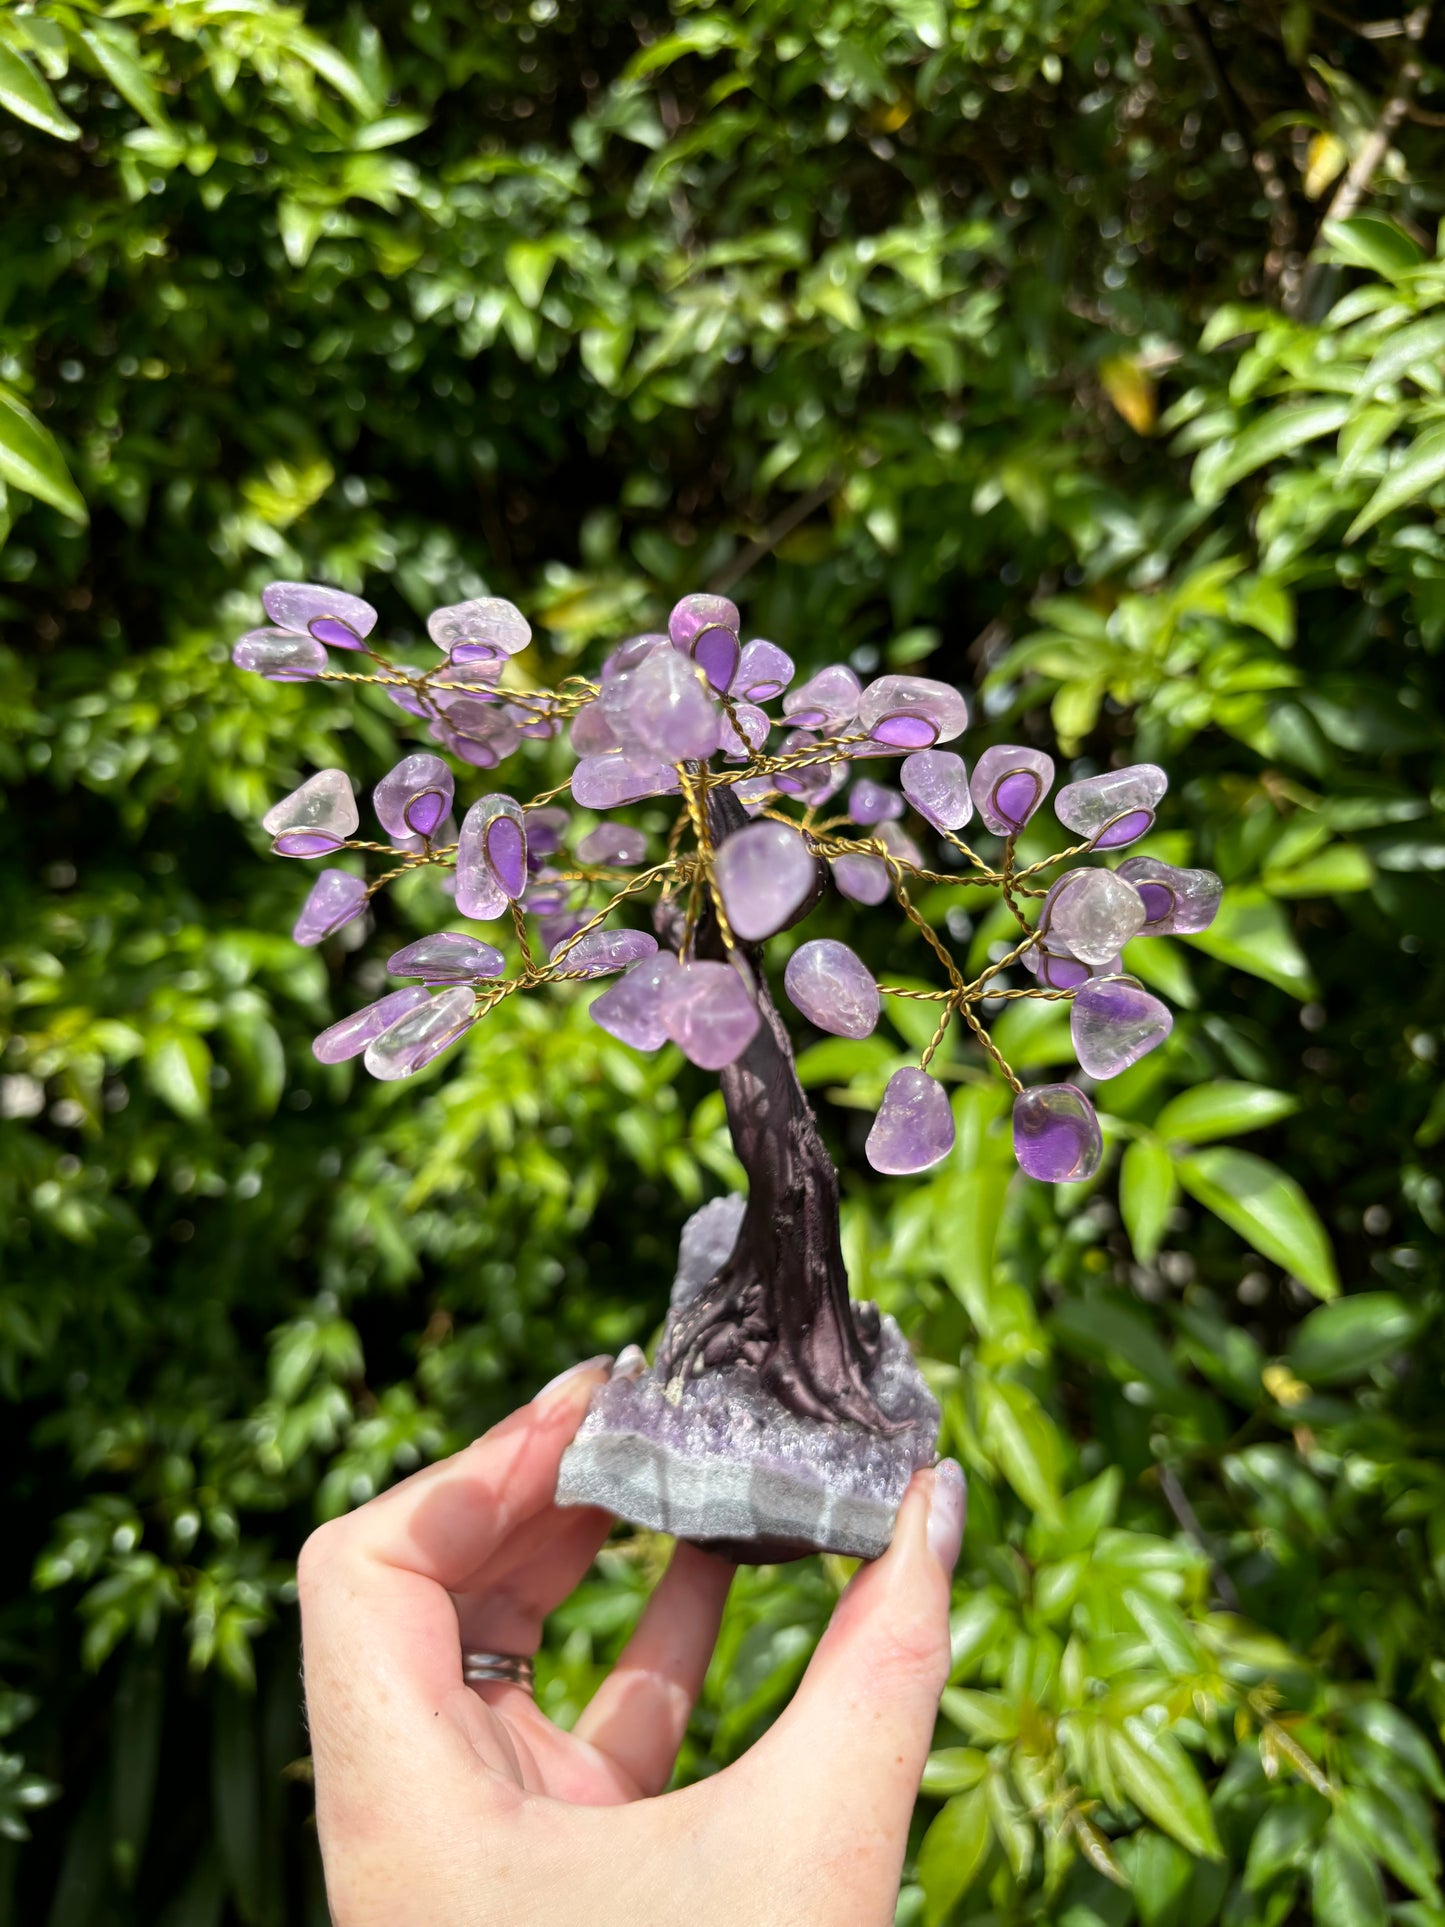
1056	1134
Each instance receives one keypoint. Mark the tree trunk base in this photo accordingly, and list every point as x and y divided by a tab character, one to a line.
717	1457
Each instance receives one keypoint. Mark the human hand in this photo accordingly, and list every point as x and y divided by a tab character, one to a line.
446	1805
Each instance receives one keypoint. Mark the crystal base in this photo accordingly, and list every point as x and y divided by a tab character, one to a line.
729	1467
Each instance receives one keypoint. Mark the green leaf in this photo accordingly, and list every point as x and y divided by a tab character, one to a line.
1265	440
1268	1210
1396	1824
954	1769
28	97
1160	963
1156	1773
528	265
30	459
1345	1883
1107	1325
118	58
1391	1729
953	1851
1282	1840
1024	1440
1409	348
1332	873
1253	933
1406	482
1222	1109
178	1070
1346	1340
1368	241
1148	1190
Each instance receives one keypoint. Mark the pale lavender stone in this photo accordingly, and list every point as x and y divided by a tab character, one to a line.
754	725
546	828
412	798
336	897
407	699
898	843
421	1034
764	671
627	655
764	873
812	780
1055	969
632	1010
446	957
1176	901
616	845
351	1036
707	1012
935	781
504	844
863	879
718	1458
279	655
870	802
479	893
1093	913
696	613
620	776
1056	1134
307	843
914	1126
601	952
484	622
324	802
1114	1022
554	930
339	620
716	652
826	701
754	793
912	712
1009	783
663	707
591	734
833	988
546	895
1115	808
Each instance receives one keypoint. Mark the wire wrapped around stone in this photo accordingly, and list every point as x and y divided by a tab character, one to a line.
497	1669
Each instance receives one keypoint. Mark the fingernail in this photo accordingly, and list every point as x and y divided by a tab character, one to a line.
631	1362
573	1371
947	1510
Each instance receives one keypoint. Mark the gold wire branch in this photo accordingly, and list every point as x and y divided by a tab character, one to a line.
693	868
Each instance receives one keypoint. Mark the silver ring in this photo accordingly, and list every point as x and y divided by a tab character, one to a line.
497	1669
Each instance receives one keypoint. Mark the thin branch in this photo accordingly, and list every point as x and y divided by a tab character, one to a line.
777	531
1188	1518
1360	175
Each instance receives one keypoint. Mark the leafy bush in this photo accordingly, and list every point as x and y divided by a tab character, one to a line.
1092	357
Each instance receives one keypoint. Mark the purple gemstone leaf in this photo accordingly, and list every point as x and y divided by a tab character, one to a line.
447	956
279	656
863	879
485	620
415	776
833	988
935	781
603	951
1115	808
308	608
1093	913
1114	1022
707	1012
765	873
1176	901
826	701
307	843
421	1034
870	802
1056	1134
616	845
324	802
696	613
620	776
351	1036
632	1010
336	897
912	712
764	671
914	1126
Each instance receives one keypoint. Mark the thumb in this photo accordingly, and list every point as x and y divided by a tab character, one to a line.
854	1740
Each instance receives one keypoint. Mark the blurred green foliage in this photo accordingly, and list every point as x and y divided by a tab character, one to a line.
1087	356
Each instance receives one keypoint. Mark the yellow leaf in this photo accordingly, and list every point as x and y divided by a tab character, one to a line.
1324	161
1131	391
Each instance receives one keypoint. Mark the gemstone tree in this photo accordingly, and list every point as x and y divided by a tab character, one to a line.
688	715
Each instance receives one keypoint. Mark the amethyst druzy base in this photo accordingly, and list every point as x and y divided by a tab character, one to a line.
721	1462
